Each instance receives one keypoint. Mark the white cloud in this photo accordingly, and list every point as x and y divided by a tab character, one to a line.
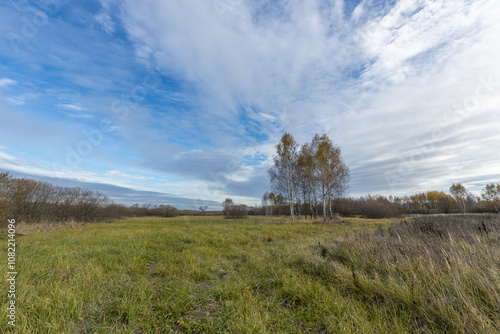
74	111
413	28
378	84
4	82
79	115
20	99
103	18
127	176
70	106
17	100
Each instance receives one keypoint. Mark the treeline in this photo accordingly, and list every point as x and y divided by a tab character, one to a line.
307	177
33	201
311	179
460	200
150	210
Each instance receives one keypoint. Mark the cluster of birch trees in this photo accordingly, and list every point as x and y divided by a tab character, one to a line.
308	176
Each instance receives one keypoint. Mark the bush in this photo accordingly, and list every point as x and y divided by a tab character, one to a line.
379	207
236	211
346	207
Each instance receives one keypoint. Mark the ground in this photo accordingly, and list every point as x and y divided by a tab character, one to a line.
214	275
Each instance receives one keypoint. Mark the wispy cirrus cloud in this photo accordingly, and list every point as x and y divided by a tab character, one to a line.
75	111
70	107
103	18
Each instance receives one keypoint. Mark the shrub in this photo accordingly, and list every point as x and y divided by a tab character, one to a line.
237	211
379	207
346	207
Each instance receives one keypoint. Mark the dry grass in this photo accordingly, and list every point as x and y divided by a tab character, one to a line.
441	271
24	228
259	275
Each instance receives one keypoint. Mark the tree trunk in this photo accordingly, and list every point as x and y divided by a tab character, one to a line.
324	206
290	190
316	215
298	209
330	207
311	206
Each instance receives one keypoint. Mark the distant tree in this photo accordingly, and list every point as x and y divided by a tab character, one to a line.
418	203
167	210
227	205
280	202
265	202
272	201
347	207
232	210
444	202
491	195
238	211
6	183
203	209
461	196
282	174
379	207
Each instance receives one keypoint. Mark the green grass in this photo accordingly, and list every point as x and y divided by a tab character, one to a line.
213	275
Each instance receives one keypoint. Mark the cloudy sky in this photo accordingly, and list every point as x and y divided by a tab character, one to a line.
183	102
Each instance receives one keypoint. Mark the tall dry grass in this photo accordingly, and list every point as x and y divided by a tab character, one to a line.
442	272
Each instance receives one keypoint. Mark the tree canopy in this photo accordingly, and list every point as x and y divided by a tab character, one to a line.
308	172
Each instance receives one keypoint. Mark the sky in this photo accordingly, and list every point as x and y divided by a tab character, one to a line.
183	102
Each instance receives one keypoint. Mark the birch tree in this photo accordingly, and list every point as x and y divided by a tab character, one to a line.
491	194
283	172
331	172
460	194
306	164
265	202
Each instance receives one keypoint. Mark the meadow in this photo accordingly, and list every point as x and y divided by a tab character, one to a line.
258	275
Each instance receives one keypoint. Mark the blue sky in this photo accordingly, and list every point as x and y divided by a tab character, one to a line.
182	102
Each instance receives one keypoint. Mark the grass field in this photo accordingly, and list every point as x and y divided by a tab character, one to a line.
258	275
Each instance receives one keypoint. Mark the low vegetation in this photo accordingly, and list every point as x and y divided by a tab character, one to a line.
34	201
433	274
234	211
260	275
